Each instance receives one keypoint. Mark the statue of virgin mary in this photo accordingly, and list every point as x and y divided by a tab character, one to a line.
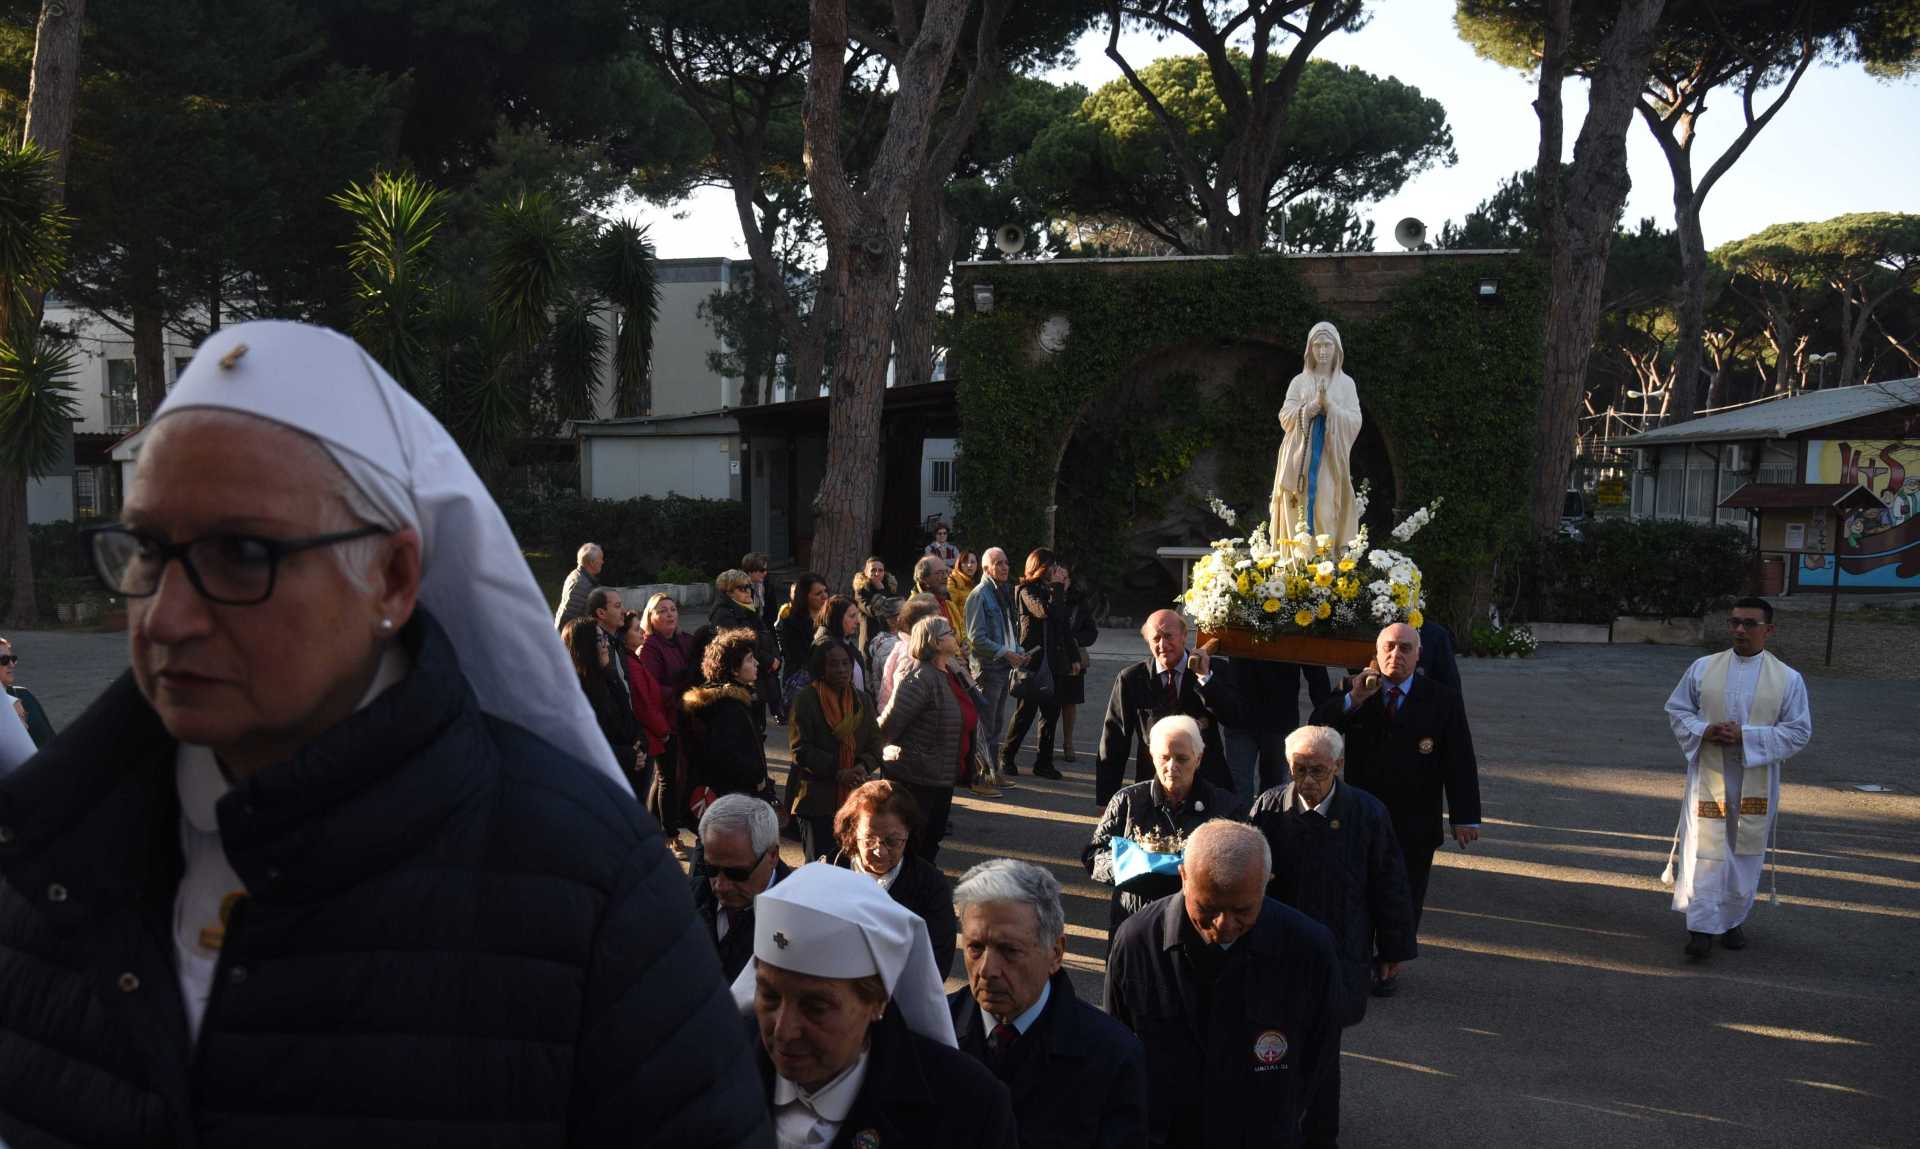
1313	483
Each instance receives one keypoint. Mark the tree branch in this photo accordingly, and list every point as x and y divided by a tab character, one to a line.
1212	200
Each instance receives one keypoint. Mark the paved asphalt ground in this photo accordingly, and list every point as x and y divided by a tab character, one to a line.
1551	1004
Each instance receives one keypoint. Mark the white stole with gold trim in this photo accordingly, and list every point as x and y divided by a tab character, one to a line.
1710	794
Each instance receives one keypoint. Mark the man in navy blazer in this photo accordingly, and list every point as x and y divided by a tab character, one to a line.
1235	996
1407	744
1078	1077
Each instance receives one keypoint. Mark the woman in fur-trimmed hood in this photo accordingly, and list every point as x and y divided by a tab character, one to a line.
871	583
724	750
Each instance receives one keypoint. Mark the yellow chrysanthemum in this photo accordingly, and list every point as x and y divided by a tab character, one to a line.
1323	580
1346	564
1415	618
1303	618
1243	583
1325	610
1271	606
1266	564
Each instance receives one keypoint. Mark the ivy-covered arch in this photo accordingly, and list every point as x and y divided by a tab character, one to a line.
1451	382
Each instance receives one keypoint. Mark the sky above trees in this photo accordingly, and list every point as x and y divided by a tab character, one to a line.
1833	149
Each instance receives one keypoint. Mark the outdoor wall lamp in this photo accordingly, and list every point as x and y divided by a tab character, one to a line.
983	297
1487	291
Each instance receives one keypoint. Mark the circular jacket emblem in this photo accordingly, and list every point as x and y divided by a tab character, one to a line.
1426	746
867	1139
1270	1047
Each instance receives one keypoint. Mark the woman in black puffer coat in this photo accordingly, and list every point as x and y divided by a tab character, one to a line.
725	750
445	923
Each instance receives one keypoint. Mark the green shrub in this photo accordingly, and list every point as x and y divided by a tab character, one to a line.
641	537
1655	568
679	575
1495	641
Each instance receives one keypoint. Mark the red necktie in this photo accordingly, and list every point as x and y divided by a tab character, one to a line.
1173	693
1393	703
1002	1039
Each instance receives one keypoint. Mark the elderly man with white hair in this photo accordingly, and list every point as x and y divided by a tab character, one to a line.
582	581
1163	810
1235	995
1172	680
1078	1077
993	648
854	1035
343	858
1335	859
1407	744
740	860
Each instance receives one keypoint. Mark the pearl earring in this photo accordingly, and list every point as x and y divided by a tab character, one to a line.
386	624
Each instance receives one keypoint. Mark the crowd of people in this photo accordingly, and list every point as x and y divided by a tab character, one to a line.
404	889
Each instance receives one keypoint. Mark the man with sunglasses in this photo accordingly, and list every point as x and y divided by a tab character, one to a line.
1738	715
35	715
740	836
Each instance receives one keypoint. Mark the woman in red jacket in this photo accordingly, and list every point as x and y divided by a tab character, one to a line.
655	721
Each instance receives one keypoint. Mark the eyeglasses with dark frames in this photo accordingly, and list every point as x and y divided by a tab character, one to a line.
227	568
8	659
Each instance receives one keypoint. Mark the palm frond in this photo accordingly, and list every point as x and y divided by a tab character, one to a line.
577	349
623	272
33	229
37	406
395	284
532	247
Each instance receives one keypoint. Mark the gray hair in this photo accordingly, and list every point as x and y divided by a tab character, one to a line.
923	570
1005	880
587	552
742	814
923	645
1323	739
1228	851
1165	730
987	556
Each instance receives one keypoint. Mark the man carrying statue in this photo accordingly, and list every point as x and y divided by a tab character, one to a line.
1738	715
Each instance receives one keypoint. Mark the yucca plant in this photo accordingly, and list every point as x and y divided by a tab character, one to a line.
576	352
36	405
395	282
623	273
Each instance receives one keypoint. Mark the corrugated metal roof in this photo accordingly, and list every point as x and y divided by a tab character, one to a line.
1781	418
1778	496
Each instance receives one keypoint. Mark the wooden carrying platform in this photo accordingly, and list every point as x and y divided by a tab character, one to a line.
1306	649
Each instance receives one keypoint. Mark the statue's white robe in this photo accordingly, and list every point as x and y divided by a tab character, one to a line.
1336	511
1716	893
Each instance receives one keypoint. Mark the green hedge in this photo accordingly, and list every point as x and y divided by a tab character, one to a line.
640	536
1451	383
1664	569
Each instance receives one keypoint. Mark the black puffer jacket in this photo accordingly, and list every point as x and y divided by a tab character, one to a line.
455	936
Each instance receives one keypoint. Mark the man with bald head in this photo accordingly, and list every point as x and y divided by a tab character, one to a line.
1407	744
993	649
1172	680
1235	996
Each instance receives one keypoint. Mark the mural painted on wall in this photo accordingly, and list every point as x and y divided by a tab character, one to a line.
1879	548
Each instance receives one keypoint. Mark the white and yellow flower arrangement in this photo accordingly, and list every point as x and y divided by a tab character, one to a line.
1305	584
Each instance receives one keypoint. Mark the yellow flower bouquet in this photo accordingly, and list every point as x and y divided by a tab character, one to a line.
1305	585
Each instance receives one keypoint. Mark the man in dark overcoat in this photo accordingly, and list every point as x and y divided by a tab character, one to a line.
1078	1077
1234	995
1407	744
1335	860
1172	680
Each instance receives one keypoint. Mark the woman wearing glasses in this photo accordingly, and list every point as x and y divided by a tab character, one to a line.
872	827
928	727
350	795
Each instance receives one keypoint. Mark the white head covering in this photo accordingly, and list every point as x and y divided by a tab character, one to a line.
409	468
1335	368
824	921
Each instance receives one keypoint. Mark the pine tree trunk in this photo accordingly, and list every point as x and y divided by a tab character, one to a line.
930	234
1690	312
849	490
1593	195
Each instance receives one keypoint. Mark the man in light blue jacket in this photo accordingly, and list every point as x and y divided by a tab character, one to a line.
994	650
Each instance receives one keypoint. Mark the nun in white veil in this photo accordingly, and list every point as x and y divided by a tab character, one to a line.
344	856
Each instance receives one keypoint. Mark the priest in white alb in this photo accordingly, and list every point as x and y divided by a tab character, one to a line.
1738	715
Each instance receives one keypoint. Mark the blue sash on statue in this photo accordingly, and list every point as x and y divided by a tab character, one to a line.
1313	471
